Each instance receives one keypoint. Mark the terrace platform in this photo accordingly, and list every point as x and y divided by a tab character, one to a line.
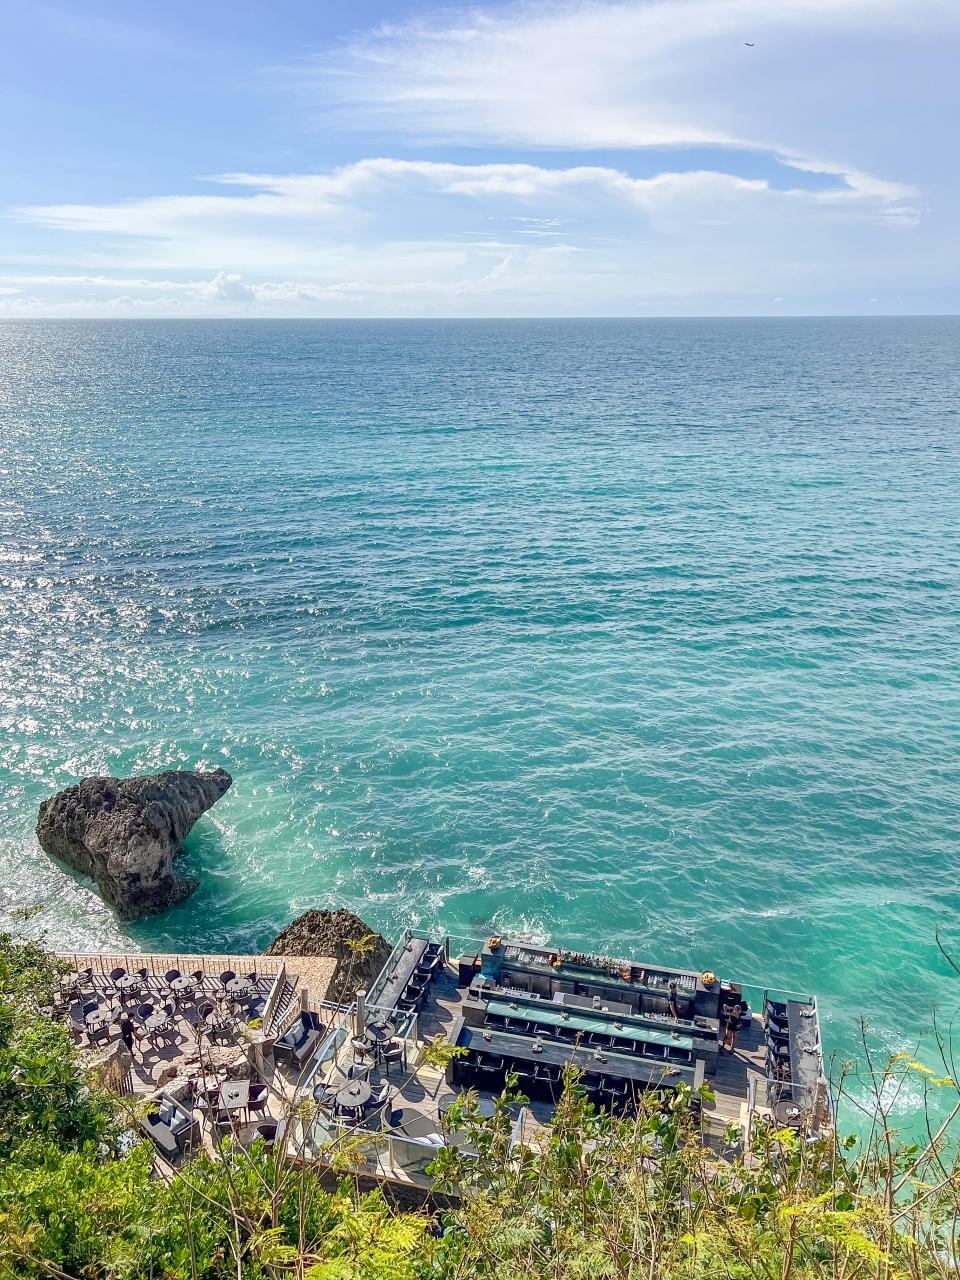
191	1053
445	1004
400	1119
317	1074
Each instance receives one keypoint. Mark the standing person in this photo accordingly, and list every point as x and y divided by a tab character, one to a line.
733	1026
673	1005
127	1034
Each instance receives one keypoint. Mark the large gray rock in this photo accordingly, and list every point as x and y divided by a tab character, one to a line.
326	933
124	832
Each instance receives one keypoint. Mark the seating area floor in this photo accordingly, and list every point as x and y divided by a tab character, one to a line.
416	1094
729	1084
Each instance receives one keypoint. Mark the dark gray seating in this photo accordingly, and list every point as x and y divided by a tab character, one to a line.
391	1053
161	1134
271	1132
299	1041
171	1128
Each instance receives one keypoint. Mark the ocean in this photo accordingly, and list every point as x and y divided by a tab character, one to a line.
642	637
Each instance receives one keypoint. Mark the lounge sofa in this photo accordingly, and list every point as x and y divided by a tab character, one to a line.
300	1040
171	1128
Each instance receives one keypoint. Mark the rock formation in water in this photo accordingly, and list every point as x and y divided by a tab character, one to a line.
124	832
326	933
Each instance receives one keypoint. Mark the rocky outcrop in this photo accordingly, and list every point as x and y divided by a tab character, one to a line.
124	832
328	933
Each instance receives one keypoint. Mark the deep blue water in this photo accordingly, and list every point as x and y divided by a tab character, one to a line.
641	636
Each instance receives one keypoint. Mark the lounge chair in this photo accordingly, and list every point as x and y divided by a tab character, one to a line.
259	1098
271	1132
160	1134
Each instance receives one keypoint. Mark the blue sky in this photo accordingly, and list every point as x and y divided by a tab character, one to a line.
662	157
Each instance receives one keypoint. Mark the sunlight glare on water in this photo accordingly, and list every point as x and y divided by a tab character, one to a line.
642	637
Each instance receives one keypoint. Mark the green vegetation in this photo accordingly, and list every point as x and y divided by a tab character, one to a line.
592	1196
77	1198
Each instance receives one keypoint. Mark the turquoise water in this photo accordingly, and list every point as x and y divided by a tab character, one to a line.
638	636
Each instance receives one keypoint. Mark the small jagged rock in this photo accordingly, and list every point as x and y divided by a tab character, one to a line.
327	933
124	832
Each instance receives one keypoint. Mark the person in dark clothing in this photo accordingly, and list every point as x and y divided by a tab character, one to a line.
127	1034
734	1013
673	1004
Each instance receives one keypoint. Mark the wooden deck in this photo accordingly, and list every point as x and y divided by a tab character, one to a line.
729	1085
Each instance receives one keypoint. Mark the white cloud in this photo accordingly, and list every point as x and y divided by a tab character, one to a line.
649	73
388	236
840	91
370	189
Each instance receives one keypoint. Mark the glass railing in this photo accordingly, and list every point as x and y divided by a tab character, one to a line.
793	1106
380	981
408	936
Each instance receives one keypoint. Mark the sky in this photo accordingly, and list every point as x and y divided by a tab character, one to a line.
638	158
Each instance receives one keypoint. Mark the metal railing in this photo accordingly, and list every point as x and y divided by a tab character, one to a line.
102	962
791	1105
408	935
323	1130
324	1010
782	996
383	977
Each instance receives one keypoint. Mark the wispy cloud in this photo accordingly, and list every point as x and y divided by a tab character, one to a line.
370	188
590	75
837	89
400	234
593	73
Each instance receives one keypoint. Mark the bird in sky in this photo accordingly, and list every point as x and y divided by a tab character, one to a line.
748	44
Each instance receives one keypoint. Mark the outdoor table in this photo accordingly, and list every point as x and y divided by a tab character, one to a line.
788	1115
549	1015
183	985
74	979
130	982
157	1022
586	1002
239	988
805	1065
377	1034
381	1030
397	982
234	1095
98	1018
485	1107
353	1094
